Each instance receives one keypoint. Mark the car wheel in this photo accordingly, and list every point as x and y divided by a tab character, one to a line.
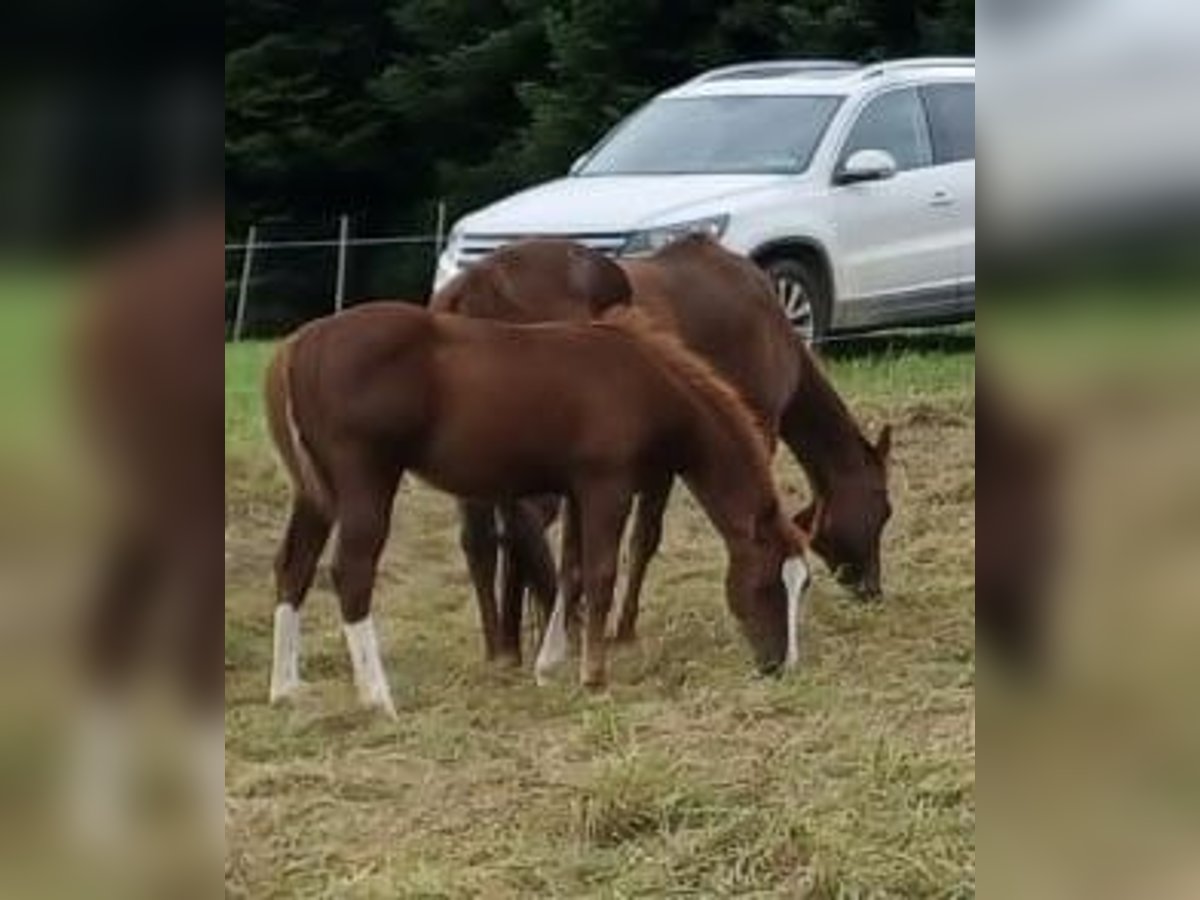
802	295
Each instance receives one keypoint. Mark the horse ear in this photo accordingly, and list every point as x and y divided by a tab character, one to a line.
599	280
883	444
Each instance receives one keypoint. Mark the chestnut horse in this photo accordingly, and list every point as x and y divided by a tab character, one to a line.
724	309
592	412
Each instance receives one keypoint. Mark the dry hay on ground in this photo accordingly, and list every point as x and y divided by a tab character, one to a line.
854	777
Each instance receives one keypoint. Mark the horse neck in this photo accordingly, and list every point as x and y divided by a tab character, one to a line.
725	459
819	430
729	476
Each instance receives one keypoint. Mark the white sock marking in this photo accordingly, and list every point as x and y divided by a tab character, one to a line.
369	677
795	580
285	670
616	614
553	651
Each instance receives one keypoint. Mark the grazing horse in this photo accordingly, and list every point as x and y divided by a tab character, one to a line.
592	412
724	309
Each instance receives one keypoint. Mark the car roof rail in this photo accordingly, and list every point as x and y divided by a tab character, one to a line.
918	62
775	68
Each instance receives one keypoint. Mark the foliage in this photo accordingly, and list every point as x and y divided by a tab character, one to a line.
379	107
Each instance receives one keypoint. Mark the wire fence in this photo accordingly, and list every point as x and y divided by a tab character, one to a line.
275	281
273	284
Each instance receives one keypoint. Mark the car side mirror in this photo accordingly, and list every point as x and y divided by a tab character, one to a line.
867	165
578	164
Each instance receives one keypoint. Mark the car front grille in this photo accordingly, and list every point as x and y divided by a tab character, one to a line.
474	247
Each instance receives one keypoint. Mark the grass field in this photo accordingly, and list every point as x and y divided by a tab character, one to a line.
853	778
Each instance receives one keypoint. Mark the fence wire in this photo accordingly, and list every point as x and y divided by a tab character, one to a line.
275	283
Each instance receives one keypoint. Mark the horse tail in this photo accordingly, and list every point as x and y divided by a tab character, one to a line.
285	432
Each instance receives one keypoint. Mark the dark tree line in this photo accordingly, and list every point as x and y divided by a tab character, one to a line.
379	107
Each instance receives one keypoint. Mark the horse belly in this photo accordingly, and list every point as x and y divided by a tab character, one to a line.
531	417
474	459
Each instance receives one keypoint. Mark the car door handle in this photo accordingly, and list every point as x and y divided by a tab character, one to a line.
941	198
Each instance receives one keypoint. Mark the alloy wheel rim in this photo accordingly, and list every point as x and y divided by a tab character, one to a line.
797	305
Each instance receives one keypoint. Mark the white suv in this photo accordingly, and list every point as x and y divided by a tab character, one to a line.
852	186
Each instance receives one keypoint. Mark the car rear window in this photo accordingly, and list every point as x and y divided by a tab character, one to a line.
951	109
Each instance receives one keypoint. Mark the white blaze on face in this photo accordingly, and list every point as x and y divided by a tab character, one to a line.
285	670
795	580
369	677
553	651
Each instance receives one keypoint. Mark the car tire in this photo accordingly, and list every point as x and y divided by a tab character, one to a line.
801	290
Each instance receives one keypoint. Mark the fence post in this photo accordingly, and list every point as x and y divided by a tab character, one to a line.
439	240
339	297
239	322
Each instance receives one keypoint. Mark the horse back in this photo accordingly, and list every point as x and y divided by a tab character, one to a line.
364	373
723	308
542	280
557	397
477	408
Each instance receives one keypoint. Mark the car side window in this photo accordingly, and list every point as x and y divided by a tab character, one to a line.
894	122
951	109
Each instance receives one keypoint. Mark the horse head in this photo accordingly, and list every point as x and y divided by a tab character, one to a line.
846	525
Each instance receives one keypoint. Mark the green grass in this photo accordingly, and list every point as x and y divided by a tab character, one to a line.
33	333
690	777
244	367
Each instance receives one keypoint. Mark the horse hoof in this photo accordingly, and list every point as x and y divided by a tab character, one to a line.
545	667
383	706
286	692
507	660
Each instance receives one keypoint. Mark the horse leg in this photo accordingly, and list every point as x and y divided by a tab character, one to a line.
512	584
512	596
570	576
481	545
647	535
512	580
295	565
529	566
364	518
554	647
603	511
539	561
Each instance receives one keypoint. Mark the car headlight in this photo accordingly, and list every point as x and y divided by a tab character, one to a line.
651	240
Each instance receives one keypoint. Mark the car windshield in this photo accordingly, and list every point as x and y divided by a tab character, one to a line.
716	135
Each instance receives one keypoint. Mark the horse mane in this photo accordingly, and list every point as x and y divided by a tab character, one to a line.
696	374
822	399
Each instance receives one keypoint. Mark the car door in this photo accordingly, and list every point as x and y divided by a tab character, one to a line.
950	107
897	237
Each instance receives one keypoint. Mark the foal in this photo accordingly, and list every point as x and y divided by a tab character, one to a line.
497	412
724	309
